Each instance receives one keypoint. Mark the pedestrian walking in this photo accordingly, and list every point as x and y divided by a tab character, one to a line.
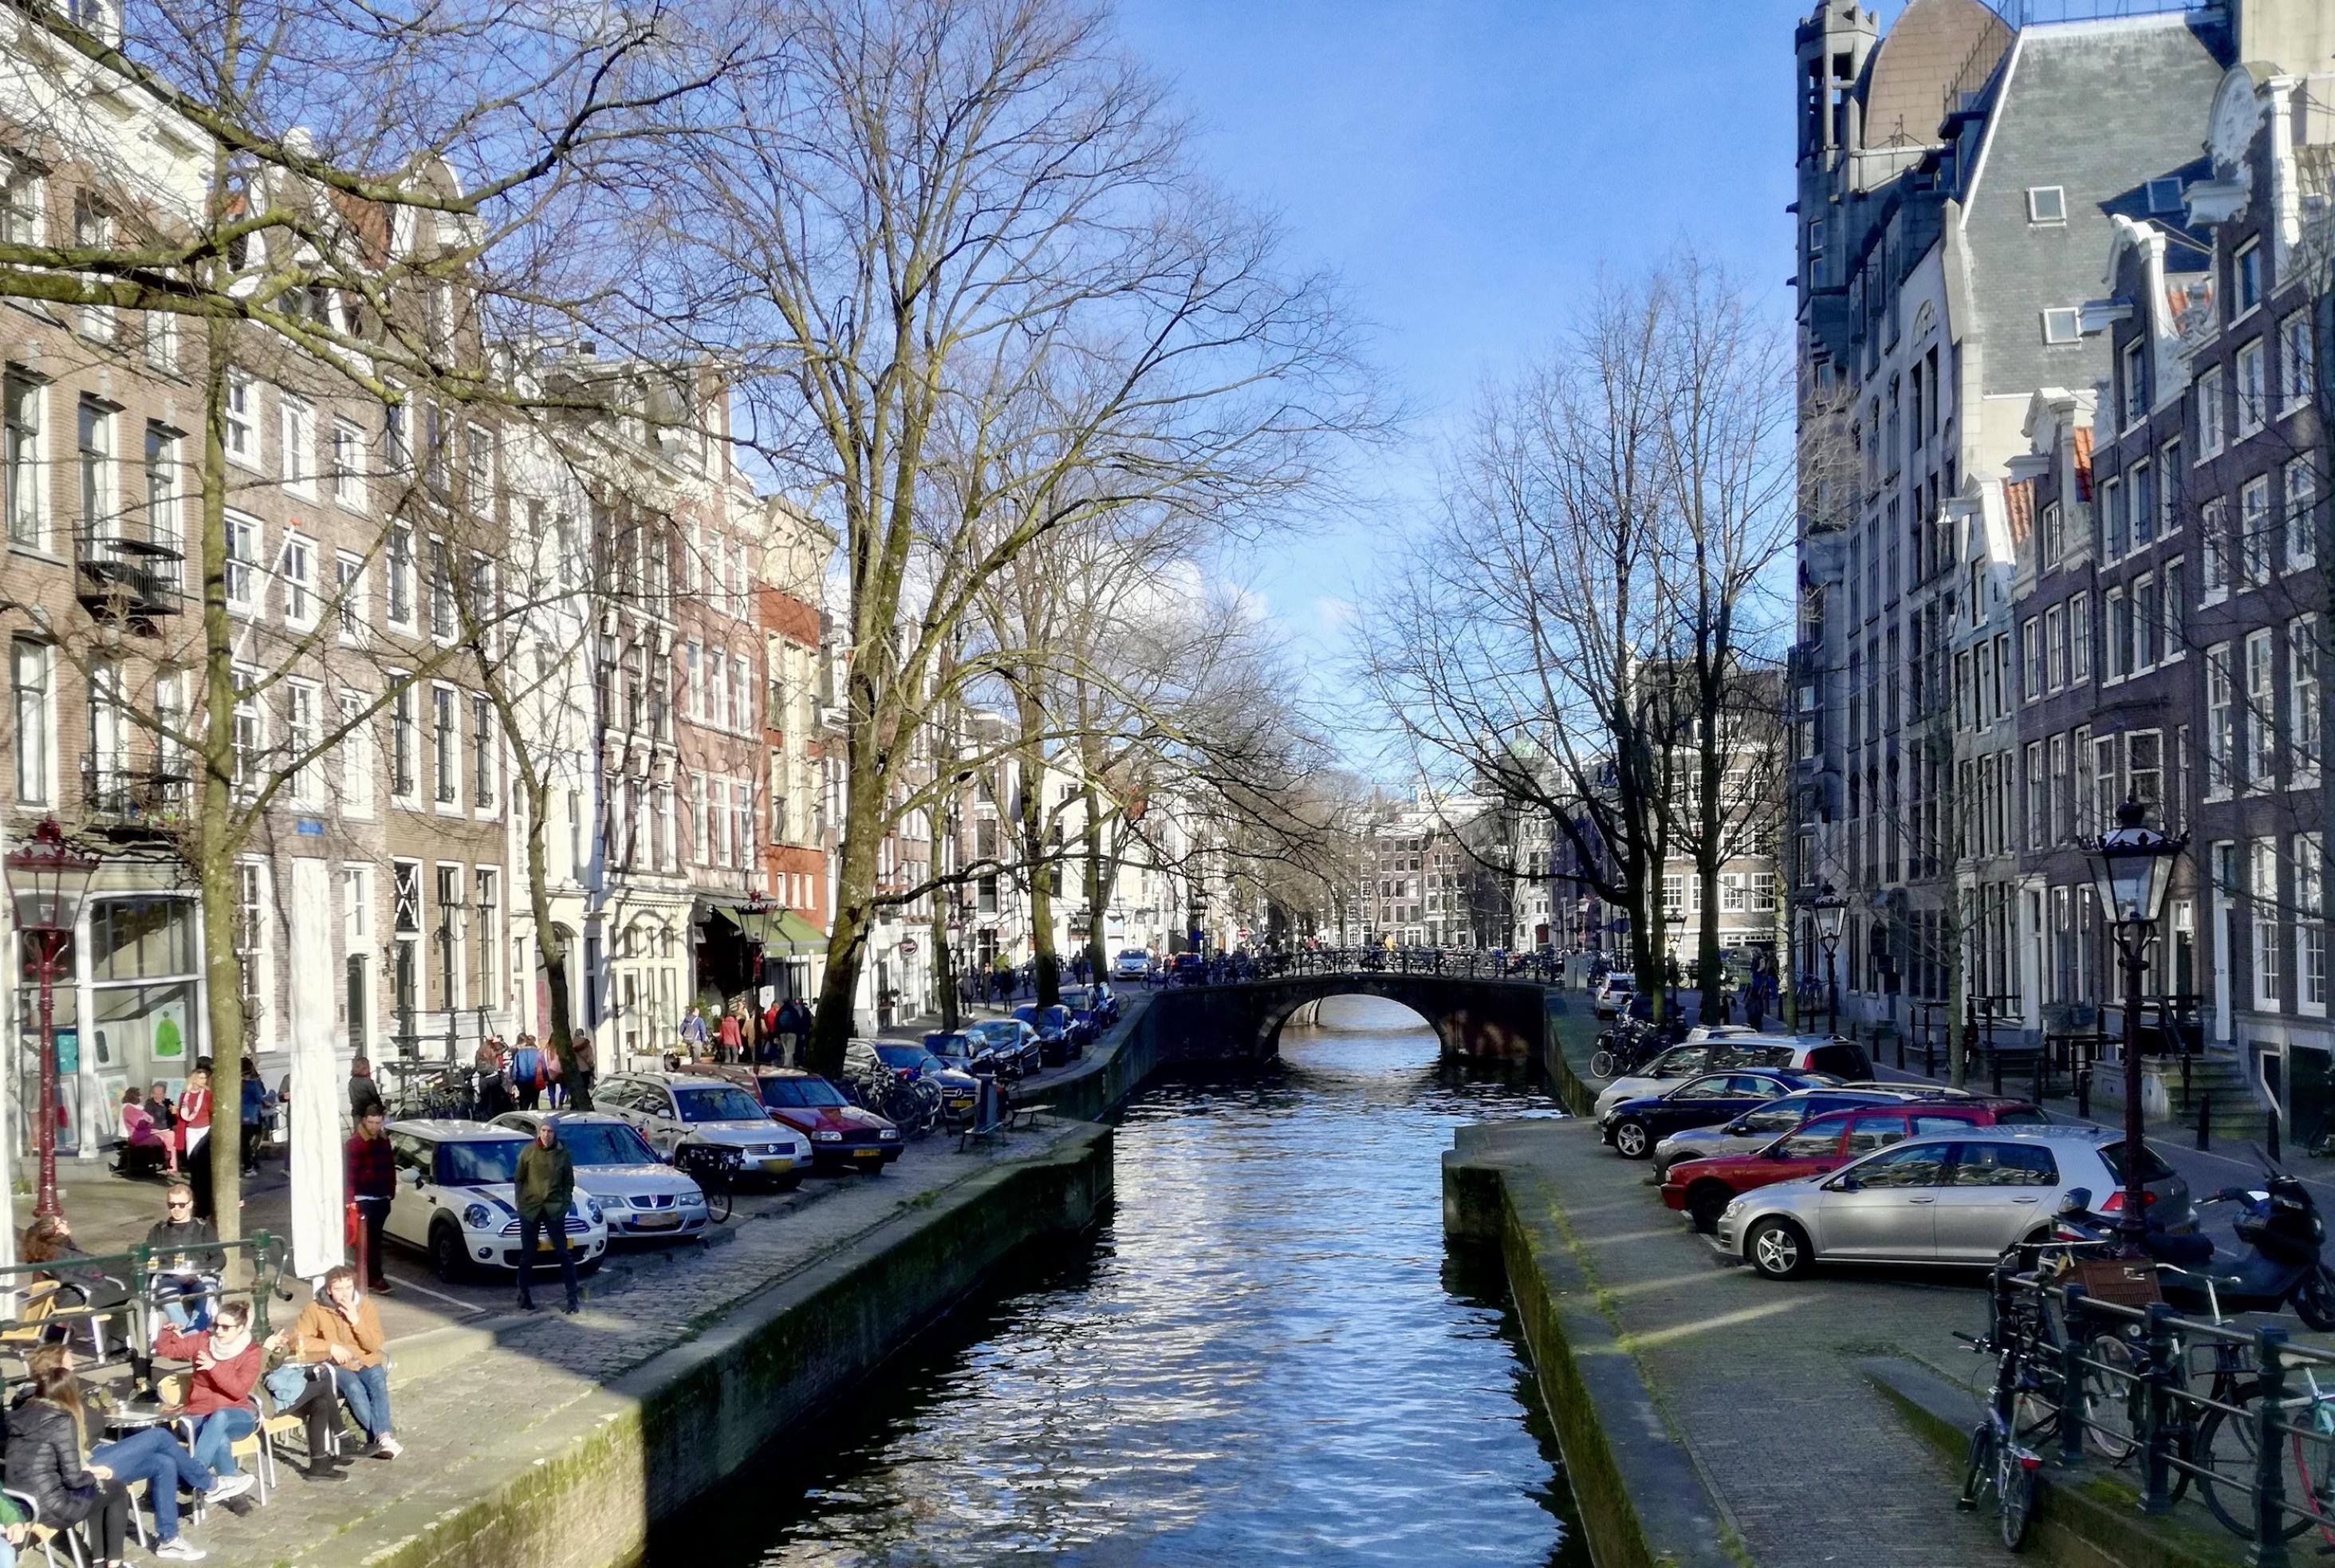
731	1039
587	1063
363	1092
492	1073
372	1170
527	1074
255	1115
545	1187
692	1030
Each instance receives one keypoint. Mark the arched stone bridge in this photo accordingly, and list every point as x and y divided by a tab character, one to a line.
1497	1019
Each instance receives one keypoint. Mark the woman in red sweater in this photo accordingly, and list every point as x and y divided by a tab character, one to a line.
190	1136
228	1363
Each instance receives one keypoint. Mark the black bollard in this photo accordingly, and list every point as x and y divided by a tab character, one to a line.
2042	1072
2084	1091
2205	1120
1995	1068
2271	1138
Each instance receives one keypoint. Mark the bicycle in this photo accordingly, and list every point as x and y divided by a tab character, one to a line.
714	1169
2022	1416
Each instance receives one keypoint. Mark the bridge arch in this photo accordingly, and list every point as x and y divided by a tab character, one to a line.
1493	1019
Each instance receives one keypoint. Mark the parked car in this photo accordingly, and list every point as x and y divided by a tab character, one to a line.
1756	1129
1613	993
959	1089
1012	1042
1961	1199
671	1108
1096	1007
1188	969
1132	963
455	1198
1838	1060
843	1136
641	1197
1060	1035
962	1051
1704	1187
1635	1126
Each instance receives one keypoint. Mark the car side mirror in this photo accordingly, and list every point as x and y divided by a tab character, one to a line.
1845	1184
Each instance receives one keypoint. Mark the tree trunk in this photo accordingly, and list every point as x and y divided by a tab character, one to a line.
1712	977
1045	961
552	947
223	826
855	887
944	970
1098	881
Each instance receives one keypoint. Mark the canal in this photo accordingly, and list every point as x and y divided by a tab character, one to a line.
1263	1357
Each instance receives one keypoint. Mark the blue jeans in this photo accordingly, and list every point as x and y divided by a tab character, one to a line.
174	1290
366	1390
154	1456
216	1435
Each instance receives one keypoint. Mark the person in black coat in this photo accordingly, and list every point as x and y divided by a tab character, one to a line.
47	1445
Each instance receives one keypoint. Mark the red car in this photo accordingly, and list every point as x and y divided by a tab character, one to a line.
1704	1187
843	1136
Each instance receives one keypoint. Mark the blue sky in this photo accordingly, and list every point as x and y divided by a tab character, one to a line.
1468	166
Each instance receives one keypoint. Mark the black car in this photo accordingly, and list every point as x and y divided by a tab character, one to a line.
1059	1037
1011	1042
1635	1126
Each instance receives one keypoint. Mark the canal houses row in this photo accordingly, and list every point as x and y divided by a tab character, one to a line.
2065	547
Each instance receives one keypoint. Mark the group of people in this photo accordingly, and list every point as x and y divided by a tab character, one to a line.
773	1036
162	1136
331	1358
520	1077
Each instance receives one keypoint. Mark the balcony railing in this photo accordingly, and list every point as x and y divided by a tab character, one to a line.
128	579
135	798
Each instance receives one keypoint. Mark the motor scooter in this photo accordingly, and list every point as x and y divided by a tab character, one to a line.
2280	1224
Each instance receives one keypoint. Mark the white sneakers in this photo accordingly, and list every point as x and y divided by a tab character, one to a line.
228	1486
388	1448
177	1549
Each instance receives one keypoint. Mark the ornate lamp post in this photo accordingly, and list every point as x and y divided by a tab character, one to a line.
48	879
2132	871
1832	913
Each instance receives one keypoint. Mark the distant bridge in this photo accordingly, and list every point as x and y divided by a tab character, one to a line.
1478	1015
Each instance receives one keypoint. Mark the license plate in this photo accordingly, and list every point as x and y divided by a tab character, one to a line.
867	1153
655	1222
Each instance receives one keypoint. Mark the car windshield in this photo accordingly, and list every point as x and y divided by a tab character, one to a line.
953	1045
997	1031
482	1163
914	1056
798	1093
605	1143
722	1103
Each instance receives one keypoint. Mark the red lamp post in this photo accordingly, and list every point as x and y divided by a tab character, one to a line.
48	879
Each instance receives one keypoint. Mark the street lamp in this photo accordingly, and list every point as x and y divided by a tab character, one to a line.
47	881
2132	871
1832	913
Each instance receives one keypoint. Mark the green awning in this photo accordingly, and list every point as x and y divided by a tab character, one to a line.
796	937
782	933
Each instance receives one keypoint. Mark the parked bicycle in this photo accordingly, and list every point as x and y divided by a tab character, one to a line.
714	1167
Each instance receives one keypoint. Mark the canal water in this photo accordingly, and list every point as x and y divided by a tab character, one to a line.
1263	1357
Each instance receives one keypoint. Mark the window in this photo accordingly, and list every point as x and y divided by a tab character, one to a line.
2310	924
694	658
2220	723
301	703
2142	504
1915	1165
2261	731
2144	768
242	420
2245	279
2211	413
2112	519
299	581
717	678
250	736
28	515
2079	638
483	753
92	230
2262	885
2055	649
356	754
479	450
404	745
2302	719
2003	1165
31	668
349	608
348	465
163	521
242	564
2253	536
2039	798
2132	385
2254	389
2164	195
2169	482
162	341
2118	635
2031	656
2213	547
2101	804
700	828
296	424
2055	534
2302	495
741	821
441	591
397	438
400	556
93	459
2145	622
2063	325
2173	635
2297	362
742	692
356	905
2047	204
446	735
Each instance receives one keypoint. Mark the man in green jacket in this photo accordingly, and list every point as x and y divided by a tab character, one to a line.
545	1185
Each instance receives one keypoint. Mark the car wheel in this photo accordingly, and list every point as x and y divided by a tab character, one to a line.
447	1256
1631	1140
1778	1249
1706	1202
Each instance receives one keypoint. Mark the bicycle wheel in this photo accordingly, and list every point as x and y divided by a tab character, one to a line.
1602	1065
721	1192
2111	1399
2225	1449
1978	1473
2014	1488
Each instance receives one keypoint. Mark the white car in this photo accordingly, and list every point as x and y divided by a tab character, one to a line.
671	1108
1835	1057
642	1198
1132	964
455	1199
1613	993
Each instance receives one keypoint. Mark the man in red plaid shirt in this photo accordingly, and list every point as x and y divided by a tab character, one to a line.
372	1183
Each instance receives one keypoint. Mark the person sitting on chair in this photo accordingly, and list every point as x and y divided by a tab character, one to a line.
226	1362
186	1260
79	1283
143	1152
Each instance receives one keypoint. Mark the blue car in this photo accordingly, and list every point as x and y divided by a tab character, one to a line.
1060	1037
1635	1126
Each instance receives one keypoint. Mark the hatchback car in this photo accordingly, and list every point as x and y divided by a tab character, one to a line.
641	1197
1613	993
1839	1060
842	1135
1962	1199
1704	1187
1756	1129
1060	1036
1134	963
456	1200
962	1051
1014	1044
671	1108
1635	1126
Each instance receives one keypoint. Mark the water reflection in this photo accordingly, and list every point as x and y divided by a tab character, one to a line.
1259	1358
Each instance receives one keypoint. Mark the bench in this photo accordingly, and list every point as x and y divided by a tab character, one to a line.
1010	1118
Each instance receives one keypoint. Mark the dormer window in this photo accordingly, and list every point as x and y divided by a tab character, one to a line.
2133	383
2164	196
2062	324
2245	279
2047	204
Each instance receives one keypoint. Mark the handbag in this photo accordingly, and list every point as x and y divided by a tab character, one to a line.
286	1384
353	1229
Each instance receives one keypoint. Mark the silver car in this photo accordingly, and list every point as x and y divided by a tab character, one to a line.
642	1197
1756	1129
1960	1199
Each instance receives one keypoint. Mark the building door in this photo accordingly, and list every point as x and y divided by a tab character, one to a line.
359	1006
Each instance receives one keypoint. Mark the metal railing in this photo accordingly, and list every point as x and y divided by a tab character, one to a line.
58	1301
